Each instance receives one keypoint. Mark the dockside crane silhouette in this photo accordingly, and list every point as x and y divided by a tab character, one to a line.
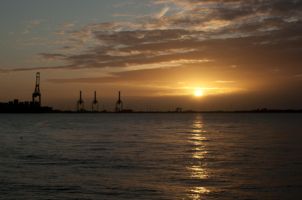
95	104
119	103
36	96
80	104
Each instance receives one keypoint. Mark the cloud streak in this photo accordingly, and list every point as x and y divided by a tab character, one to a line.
183	30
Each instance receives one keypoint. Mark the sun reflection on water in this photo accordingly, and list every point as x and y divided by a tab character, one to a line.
197	192
198	172
199	151
197	125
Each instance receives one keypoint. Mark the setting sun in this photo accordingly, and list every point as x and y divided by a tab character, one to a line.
198	92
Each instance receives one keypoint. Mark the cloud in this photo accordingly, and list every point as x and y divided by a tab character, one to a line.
65	28
227	32
162	13
163	81
49	56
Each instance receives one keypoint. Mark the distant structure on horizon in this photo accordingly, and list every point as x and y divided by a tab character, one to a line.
178	110
80	104
35	106
36	96
119	103
119	106
95	104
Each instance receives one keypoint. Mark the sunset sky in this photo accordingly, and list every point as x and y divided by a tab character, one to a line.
162	54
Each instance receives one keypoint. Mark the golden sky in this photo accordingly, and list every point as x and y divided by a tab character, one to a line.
237	54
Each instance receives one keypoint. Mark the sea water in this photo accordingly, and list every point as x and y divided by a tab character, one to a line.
150	156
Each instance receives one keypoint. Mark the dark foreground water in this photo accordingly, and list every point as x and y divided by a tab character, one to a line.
151	156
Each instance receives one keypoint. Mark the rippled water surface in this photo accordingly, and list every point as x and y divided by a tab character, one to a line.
151	156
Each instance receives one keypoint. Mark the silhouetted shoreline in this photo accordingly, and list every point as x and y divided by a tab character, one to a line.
45	111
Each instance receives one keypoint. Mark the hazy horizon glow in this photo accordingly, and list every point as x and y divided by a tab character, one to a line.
241	54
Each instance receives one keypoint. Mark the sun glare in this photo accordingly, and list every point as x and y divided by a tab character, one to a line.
198	92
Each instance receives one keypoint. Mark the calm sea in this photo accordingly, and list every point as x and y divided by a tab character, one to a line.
150	156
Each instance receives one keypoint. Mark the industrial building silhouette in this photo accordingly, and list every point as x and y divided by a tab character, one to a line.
34	106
